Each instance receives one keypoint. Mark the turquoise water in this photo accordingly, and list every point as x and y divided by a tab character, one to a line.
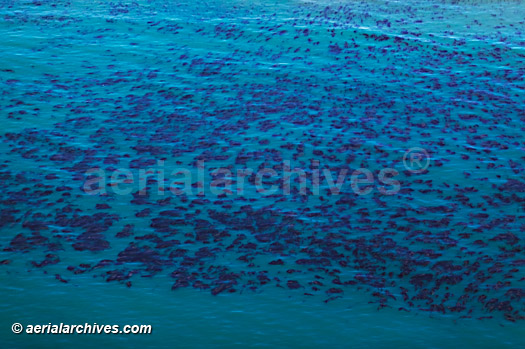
116	117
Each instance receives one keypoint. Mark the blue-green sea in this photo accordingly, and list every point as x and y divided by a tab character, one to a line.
281	174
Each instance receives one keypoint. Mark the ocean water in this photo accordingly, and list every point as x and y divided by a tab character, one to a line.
125	126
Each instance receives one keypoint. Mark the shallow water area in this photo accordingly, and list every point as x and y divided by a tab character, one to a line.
108	108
